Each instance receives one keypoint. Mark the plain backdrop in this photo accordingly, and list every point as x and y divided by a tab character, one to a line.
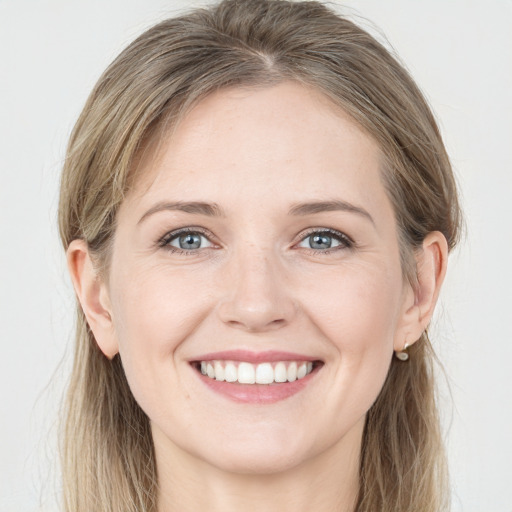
52	52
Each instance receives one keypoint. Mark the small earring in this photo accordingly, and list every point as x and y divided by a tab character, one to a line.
402	355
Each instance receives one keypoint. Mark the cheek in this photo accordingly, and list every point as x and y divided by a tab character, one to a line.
154	312
155	309
358	316
359	309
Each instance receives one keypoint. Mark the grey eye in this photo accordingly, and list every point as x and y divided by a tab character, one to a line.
324	240
320	241
190	241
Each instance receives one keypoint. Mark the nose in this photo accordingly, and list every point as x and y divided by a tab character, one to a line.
257	294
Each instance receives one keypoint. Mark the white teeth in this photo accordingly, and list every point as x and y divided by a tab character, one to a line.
301	371
292	372
219	370
280	372
230	372
246	374
263	373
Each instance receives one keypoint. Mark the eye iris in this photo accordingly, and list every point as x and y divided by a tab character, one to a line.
190	241
320	241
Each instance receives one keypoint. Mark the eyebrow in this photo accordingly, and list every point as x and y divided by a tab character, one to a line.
328	206
298	209
194	207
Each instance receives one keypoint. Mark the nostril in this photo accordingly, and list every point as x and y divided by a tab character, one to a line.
256	325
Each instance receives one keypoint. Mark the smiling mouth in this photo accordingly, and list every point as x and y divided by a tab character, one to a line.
242	372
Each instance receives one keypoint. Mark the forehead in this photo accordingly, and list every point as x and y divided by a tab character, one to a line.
245	139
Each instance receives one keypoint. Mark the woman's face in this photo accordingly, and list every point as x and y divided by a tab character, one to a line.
259	237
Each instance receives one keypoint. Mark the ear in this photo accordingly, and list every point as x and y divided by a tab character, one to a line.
420	300
93	295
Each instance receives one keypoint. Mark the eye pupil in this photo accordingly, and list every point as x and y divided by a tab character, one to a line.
320	241
190	241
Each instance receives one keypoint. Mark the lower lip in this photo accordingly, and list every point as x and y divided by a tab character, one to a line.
258	393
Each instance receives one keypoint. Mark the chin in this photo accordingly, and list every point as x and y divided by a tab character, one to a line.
257	462
259	455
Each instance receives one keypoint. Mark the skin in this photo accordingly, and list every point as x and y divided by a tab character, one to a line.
256	284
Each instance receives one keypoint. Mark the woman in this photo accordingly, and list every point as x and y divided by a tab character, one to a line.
257	208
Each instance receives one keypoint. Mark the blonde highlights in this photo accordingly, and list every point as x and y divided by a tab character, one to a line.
107	452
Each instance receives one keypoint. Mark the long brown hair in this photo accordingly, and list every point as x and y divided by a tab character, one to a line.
107	452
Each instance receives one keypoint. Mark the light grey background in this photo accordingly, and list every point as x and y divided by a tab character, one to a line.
52	52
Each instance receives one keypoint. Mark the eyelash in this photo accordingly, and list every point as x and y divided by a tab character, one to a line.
345	241
169	237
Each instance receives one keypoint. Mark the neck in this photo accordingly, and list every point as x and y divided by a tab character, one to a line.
326	483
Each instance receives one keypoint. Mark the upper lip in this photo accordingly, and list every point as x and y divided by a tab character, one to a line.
254	357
